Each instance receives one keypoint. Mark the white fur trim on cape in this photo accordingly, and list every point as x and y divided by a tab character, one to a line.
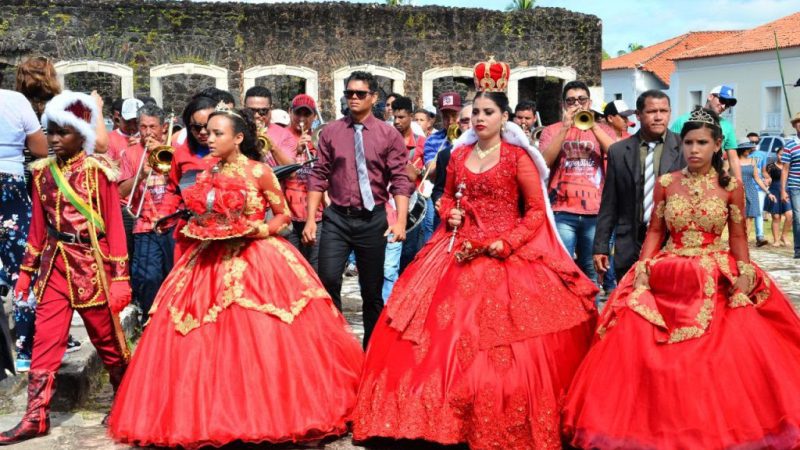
515	136
55	111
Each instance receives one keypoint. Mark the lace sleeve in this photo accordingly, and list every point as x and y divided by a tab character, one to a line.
656	232
271	190
531	189
736	224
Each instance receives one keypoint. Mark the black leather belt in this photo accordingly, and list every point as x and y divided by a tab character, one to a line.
349	211
70	238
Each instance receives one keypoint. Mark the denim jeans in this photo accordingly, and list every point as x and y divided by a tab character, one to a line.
577	233
794	194
429	223
760	218
152	262
391	267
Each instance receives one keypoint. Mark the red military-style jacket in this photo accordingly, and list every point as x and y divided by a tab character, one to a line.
73	264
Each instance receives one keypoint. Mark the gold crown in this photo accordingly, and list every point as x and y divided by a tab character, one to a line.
223	108
702	116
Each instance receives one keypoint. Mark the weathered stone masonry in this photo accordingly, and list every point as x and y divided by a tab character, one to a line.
409	44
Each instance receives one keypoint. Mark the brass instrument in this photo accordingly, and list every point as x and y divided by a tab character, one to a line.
160	160
453	132
306	150
584	120
536	134
316	133
266	146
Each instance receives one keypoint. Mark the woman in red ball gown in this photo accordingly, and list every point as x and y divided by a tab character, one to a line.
243	343
479	345
697	348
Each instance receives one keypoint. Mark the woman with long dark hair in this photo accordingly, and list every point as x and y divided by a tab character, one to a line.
697	347
243	340
191	156
485	328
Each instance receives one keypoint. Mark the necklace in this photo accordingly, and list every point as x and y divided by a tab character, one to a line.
484	153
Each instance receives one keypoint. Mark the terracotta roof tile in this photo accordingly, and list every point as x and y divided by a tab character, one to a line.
753	40
657	58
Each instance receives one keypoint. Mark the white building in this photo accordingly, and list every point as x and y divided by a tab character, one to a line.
747	62
627	76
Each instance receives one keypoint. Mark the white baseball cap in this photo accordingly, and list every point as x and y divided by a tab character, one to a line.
280	117
130	108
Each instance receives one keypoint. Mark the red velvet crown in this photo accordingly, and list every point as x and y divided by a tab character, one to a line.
492	76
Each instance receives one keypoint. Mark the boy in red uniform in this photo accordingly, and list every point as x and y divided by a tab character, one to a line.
76	247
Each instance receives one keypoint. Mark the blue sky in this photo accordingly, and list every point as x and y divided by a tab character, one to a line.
646	21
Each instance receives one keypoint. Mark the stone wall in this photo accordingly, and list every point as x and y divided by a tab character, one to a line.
322	36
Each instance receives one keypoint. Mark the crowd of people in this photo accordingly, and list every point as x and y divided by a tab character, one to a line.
480	249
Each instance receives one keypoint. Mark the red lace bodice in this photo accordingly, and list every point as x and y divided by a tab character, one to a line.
491	200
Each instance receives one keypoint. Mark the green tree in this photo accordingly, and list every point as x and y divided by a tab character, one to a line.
606	55
398	2
521	5
633	46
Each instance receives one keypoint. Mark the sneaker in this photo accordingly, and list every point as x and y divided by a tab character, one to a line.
72	344
761	242
23	363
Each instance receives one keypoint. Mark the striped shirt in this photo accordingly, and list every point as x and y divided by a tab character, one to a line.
791	156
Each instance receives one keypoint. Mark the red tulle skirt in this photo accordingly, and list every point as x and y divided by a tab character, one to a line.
454	385
737	386
267	366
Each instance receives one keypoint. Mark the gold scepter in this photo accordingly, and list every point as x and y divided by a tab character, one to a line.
459	194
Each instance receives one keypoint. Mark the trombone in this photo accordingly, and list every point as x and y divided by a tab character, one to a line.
160	160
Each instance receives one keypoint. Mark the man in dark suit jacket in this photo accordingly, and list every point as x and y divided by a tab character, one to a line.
622	206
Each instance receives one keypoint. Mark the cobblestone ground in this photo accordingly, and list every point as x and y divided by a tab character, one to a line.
81	429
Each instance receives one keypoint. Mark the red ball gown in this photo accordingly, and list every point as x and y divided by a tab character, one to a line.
243	343
481	350
691	359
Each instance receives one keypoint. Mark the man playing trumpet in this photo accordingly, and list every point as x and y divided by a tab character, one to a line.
153	249
575	150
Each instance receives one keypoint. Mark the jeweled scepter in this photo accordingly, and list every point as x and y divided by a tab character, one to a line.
459	193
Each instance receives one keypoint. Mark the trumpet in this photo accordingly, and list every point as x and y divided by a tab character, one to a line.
453	132
160	160
306	150
266	146
584	120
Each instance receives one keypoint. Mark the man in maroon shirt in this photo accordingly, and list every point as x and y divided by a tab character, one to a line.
361	160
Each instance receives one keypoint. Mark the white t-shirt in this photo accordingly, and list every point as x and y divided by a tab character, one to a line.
17	121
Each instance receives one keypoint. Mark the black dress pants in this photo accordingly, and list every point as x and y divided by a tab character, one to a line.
363	234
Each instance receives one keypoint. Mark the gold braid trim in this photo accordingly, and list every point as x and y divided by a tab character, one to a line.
105	164
41	164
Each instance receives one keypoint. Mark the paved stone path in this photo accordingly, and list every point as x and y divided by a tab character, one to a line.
81	429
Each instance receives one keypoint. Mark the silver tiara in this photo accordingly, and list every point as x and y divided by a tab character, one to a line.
223	108
702	116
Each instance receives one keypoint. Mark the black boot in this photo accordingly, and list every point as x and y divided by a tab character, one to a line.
36	421
115	374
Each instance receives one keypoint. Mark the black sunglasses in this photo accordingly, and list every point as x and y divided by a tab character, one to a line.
261	111
464	121
198	127
361	95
